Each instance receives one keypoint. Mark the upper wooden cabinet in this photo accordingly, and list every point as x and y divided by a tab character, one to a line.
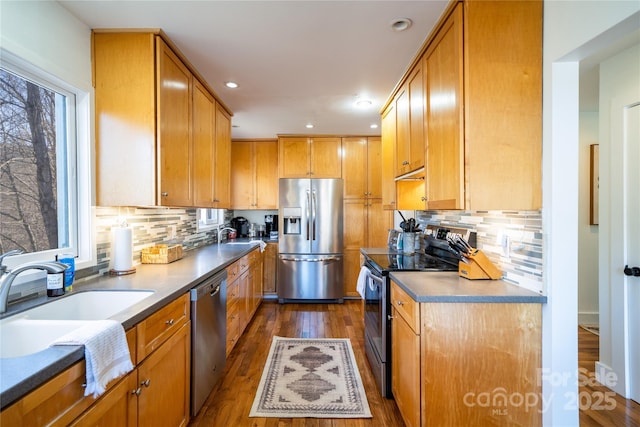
309	157
361	165
410	140
443	63
156	128
254	174
482	76
222	161
388	184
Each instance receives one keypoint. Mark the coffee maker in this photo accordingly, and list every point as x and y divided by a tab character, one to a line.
271	226
241	224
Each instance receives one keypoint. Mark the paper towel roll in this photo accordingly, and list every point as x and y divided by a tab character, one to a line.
122	249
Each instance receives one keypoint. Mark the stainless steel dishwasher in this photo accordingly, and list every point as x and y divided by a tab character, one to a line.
208	337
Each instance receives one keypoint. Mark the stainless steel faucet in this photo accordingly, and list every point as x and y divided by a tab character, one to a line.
7	277
220	230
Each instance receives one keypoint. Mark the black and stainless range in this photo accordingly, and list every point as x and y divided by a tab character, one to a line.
437	256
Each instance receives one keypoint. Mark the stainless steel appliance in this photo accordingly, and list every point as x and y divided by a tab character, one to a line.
241	224
271	224
310	240
379	263
208	337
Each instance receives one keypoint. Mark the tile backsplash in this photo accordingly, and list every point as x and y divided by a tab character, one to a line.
510	239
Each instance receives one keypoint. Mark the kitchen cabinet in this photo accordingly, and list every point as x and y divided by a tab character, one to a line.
365	224
254	174
270	269
482	74
244	294
388	184
309	157
155	392
481	346
222	161
152	116
444	183
410	142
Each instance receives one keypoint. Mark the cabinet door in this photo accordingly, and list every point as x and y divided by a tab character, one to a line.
174	128
405	369
403	132
416	119
379	221
325	158
374	167
270	268
266	174
222	179
354	238
203	145
118	407
165	378
443	64
242	177
388	158
354	165
294	157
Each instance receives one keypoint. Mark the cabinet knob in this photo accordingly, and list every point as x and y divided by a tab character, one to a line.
146	383
169	322
400	303
164	194
406	162
136	391
423	198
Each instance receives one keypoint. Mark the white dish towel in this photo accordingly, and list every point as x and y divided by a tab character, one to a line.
362	281
105	350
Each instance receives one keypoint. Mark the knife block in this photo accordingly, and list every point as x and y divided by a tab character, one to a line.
479	267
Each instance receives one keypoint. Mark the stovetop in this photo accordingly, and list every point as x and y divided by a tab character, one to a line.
416	262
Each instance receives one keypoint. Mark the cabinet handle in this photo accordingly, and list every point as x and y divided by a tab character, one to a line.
136	391
423	198
406	162
400	303
164	194
390	317
146	383
169	322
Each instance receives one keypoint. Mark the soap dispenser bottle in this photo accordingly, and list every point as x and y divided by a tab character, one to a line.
55	284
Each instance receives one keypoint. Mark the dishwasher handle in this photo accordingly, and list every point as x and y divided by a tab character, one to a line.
215	291
208	287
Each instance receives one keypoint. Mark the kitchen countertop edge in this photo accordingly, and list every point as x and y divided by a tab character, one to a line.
21	375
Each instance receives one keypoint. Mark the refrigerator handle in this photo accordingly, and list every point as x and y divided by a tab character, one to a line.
314	207
308	213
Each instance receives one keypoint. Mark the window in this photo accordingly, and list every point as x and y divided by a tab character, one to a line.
210	218
38	176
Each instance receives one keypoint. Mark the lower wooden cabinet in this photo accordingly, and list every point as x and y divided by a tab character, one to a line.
469	364
244	294
270	269
156	392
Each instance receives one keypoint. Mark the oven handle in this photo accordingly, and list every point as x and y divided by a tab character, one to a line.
374	277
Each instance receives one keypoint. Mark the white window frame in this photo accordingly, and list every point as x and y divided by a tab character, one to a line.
210	219
79	163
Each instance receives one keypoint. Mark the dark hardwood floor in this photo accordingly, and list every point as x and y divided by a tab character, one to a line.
599	406
231	400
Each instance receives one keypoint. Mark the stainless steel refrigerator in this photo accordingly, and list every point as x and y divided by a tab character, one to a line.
310	240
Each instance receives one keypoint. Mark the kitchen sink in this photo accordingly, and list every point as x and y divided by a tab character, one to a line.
21	337
87	305
35	329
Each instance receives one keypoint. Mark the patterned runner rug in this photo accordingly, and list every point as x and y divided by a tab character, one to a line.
312	378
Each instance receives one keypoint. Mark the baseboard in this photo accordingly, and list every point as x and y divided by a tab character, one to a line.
588	318
609	378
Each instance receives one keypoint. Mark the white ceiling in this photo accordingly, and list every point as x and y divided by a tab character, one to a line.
296	62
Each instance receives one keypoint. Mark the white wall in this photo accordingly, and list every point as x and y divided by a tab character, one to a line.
573	30
587	234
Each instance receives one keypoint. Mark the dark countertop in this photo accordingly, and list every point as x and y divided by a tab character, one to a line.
20	375
448	286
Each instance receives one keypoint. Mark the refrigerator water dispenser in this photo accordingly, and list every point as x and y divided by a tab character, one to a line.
292	220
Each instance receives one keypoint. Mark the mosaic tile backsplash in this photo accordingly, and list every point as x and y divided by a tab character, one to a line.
512	240
150	226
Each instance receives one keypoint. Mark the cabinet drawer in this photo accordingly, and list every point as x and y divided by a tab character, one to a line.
243	263
232	272
254	256
158	327
233	325
233	294
406	307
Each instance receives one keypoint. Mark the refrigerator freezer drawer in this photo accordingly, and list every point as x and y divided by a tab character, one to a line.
310	277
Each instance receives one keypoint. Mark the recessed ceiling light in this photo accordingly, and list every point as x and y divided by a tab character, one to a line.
400	24
231	85
374	126
363	103
309	126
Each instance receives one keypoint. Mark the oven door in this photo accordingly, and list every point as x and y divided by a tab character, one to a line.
376	328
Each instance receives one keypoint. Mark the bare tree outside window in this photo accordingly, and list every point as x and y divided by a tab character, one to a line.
28	178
